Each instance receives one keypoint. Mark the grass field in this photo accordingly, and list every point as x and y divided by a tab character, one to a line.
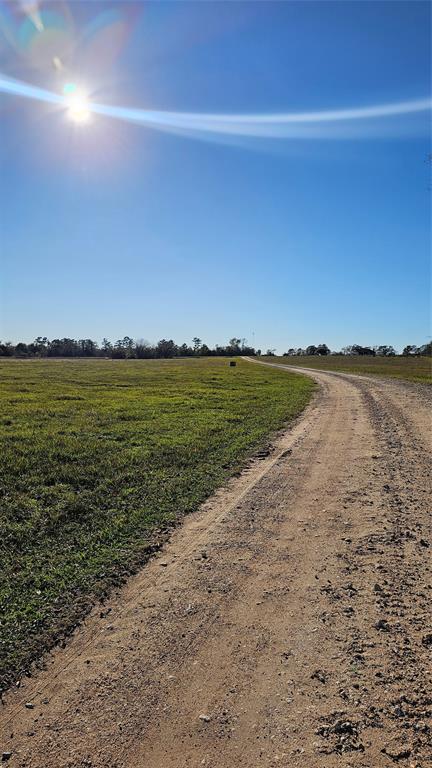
407	368
95	456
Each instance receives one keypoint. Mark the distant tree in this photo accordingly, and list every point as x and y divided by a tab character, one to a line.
385	351
106	347
248	350
64	348
128	345
426	349
166	348
88	348
311	350
123	348
234	346
40	346
143	349
21	349
270	352
196	344
410	349
357	349
322	349
6	349
185	351
118	353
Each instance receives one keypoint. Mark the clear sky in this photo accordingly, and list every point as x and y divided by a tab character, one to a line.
109	227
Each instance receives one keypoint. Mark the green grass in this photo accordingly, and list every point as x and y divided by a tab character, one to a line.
96	458
407	368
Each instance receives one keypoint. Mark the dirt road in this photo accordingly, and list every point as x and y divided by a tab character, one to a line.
286	624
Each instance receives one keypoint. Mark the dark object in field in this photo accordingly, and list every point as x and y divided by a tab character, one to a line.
382	625
232	363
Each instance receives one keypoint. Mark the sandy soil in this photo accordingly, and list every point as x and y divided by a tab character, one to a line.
285	624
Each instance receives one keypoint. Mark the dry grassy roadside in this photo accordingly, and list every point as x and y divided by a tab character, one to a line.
416	369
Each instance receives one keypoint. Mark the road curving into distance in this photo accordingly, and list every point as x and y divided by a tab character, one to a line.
285	624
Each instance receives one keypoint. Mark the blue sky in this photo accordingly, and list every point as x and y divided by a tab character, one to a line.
112	228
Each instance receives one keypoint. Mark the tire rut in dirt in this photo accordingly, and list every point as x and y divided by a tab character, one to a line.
388	709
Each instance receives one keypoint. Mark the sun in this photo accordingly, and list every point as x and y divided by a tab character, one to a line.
77	103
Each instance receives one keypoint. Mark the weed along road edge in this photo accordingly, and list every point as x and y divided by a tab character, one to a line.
273	628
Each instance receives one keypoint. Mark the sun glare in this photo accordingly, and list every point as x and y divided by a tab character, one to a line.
77	103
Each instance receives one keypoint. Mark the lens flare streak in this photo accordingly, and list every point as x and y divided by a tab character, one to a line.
278	125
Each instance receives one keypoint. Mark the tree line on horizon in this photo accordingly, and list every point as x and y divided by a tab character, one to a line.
128	348
382	350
